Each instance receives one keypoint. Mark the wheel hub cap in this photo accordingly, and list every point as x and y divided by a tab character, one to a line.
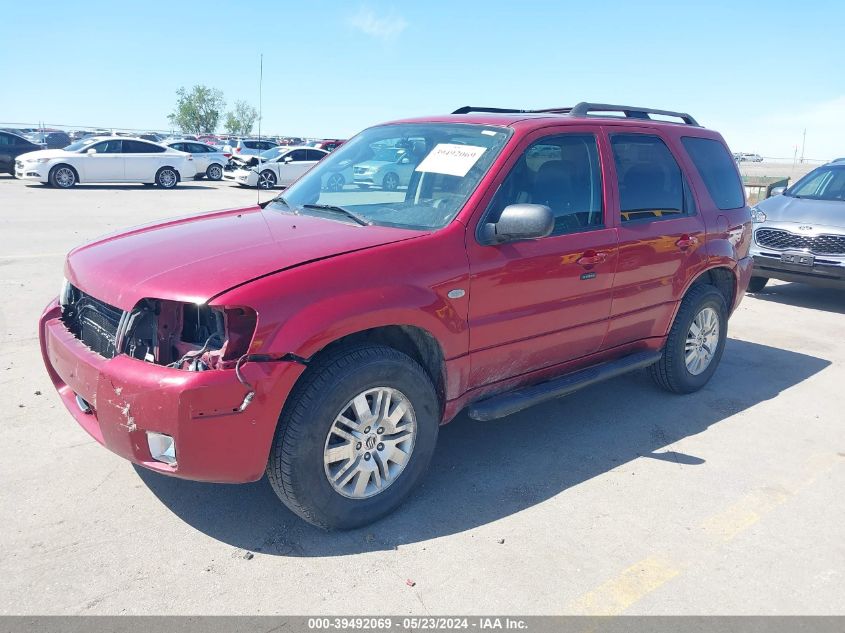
702	340
370	443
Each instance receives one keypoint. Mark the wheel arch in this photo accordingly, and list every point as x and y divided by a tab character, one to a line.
723	278
413	341
68	165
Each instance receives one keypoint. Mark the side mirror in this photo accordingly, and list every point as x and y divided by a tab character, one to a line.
91	151
519	222
287	159
404	160
776	191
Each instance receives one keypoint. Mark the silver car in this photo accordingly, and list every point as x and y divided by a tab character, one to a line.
800	234
208	159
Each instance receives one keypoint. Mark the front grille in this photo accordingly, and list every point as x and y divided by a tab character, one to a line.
92	321
781	240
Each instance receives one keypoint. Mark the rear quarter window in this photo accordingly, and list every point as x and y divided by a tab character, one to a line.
717	170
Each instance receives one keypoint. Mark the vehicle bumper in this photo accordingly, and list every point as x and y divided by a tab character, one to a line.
827	271
39	172
242	177
128	397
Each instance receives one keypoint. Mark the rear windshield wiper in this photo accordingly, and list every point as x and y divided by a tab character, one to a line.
360	219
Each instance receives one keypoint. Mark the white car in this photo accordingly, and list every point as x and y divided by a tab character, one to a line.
106	159
279	171
209	161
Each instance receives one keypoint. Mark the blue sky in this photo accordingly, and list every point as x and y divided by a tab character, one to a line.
759	72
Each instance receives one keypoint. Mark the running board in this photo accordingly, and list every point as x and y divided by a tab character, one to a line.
524	397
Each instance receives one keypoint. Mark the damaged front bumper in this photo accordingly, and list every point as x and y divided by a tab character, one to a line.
129	397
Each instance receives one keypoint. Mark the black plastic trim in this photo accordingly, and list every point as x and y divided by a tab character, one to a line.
524	397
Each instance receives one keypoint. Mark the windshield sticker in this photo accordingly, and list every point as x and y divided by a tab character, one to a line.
451	159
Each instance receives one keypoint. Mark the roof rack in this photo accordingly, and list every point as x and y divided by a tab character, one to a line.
585	108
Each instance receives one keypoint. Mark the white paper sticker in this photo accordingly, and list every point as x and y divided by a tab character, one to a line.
451	159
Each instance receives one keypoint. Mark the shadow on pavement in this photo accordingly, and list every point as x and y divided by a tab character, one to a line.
483	471
192	184
804	296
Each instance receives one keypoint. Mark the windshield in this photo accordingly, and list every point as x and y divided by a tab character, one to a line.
407	175
271	153
78	145
824	183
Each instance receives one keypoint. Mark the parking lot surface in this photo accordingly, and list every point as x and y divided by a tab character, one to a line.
619	499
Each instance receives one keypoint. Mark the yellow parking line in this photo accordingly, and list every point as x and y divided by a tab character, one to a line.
619	593
631	585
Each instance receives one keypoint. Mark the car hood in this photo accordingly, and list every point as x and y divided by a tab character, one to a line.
46	153
804	211
195	259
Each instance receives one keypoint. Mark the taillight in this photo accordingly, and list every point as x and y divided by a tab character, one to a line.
238	150
226	155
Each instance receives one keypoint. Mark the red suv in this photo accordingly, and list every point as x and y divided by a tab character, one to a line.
322	338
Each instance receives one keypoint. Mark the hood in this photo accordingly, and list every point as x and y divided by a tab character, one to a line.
196	258
46	153
803	211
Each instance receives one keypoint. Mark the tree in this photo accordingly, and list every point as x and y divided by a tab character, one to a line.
240	120
197	111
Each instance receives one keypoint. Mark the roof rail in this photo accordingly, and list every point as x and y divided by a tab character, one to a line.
584	109
468	109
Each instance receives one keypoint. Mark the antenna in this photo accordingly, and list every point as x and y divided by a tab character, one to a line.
260	87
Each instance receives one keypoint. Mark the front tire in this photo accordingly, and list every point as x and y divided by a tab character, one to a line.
355	437
695	343
266	179
167	178
390	182
756	284
62	177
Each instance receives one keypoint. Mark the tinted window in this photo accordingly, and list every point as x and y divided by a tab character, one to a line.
250	144
650	182
717	170
561	172
6	139
108	147
139	147
298	155
179	147
313	154
265	145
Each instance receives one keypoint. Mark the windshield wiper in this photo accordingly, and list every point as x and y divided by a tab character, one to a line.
360	219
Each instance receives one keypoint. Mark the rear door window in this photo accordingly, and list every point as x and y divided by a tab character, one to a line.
651	185
298	155
717	170
139	147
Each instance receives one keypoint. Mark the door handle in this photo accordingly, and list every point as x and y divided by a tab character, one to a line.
686	241
591	258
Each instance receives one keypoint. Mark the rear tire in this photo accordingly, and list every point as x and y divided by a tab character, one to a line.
214	172
757	284
390	182
688	346
167	178
300	464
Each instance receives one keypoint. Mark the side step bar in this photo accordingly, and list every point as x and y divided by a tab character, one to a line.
524	397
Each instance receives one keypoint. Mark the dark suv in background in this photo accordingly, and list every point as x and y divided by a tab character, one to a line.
12	146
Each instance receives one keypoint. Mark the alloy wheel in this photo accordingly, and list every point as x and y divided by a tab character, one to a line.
702	340
370	443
